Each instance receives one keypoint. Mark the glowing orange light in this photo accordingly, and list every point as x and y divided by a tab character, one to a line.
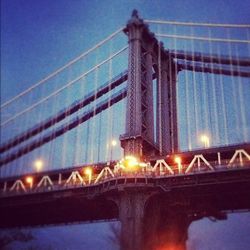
205	139
170	246
130	163
29	180
112	143
177	160
88	171
38	164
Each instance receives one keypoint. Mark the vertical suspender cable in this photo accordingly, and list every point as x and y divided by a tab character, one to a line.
41	114
56	72
65	137
93	127
79	134
247	135
23	163
49	146
176	91
53	143
242	111
195	91
99	137
248	38
204	109
223	105
7	170
187	86
110	112
65	144
87	141
214	99
233	89
159	94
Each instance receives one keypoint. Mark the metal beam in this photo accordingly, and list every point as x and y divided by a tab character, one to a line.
93	96
211	69
65	128
210	58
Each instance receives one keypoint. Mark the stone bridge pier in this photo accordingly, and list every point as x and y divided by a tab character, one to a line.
147	223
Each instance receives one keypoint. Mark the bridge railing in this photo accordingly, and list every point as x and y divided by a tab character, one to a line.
86	177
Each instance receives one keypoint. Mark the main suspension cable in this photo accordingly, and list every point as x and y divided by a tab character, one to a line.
35	85
202	38
219	25
62	88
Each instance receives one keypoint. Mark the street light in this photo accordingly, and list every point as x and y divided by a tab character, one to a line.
205	139
29	180
177	160
38	164
130	163
112	144
88	171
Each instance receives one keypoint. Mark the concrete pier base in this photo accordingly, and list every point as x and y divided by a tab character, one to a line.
153	228
131	213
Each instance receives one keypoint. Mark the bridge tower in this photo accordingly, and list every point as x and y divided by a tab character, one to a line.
148	60
149	131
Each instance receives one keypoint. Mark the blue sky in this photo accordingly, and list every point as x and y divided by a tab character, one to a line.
39	36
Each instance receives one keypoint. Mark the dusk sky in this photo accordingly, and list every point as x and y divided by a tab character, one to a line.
39	36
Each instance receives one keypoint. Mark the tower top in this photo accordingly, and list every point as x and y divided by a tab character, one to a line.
135	19
135	14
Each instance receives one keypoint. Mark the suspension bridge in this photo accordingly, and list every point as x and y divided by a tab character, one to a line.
149	128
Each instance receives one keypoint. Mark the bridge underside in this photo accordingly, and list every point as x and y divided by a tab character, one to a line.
53	209
167	217
154	212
